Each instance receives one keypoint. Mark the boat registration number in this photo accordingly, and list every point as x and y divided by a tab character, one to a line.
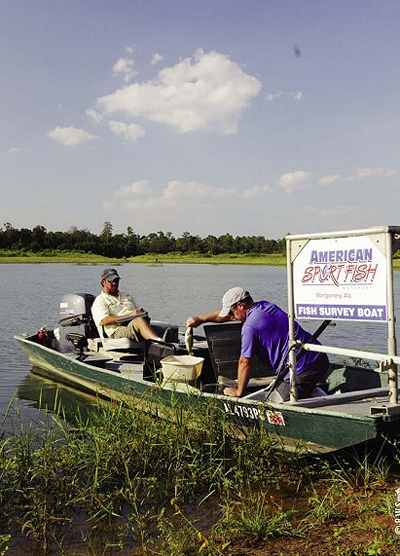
273	417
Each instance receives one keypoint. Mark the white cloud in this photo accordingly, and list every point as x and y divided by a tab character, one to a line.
156	58
329	179
124	67
340	210
225	192
179	189
201	93
130	132
256	191
299	95
253	191
130	49
180	204
195	190
377	172
94	115
14	150
140	188
71	136
173	192
270	97
292	181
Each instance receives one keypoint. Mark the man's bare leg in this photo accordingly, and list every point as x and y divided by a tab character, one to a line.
141	325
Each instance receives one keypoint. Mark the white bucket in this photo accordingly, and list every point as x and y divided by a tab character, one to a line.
181	368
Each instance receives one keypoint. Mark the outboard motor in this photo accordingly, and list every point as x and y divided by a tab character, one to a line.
76	317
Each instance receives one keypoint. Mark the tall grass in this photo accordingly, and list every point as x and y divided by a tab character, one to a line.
177	485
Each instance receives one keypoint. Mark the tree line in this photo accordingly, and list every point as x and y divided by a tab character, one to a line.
130	244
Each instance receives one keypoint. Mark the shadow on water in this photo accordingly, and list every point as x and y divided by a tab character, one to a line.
49	396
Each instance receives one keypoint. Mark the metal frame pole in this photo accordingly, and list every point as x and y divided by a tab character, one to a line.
291	338
392	348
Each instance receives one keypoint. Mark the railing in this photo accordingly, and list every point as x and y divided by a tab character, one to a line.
387	363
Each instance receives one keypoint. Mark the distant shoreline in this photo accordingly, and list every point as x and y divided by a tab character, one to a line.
274	259
152	259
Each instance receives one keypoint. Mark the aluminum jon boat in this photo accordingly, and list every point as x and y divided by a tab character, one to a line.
355	405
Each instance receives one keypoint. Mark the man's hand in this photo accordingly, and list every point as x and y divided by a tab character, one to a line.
243	378
126	317
231	392
209	317
193	322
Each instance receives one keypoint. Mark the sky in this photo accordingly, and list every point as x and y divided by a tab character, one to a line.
257	117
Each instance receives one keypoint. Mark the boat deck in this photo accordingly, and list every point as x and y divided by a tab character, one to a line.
374	401
367	407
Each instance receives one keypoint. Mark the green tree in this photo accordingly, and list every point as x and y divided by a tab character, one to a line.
107	231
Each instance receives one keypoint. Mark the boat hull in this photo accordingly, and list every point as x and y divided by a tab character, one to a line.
314	430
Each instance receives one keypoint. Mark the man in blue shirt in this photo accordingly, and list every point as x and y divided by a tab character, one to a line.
265	334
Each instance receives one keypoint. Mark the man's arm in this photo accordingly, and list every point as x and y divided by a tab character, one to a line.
243	378
209	317
115	319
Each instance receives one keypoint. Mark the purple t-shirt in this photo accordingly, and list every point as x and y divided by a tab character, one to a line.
265	334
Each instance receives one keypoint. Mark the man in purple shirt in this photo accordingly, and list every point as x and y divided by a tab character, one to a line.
265	334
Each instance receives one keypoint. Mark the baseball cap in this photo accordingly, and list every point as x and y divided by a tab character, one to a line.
110	274
232	296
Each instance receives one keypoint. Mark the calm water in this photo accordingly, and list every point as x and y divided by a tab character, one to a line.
170	292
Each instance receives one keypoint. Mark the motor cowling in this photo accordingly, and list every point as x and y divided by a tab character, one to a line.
75	317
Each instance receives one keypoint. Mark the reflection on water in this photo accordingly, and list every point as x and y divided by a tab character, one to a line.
170	292
46	395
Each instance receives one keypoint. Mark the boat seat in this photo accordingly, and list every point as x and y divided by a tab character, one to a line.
224	340
121	344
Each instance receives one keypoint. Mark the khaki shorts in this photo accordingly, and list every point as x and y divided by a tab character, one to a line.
126	332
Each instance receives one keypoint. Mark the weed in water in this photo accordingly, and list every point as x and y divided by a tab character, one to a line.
383	505
367	470
4	539
326	508
252	517
180	536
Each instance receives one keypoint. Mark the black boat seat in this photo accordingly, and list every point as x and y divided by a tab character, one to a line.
224	340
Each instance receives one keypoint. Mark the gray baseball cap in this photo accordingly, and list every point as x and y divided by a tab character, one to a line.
110	274
232	296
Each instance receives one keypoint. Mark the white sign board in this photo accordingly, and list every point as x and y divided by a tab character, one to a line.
341	279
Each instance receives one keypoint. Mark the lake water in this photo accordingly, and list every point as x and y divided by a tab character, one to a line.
31	295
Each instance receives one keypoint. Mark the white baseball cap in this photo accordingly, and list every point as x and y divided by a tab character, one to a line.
232	296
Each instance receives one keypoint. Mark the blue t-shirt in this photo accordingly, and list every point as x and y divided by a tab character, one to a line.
265	333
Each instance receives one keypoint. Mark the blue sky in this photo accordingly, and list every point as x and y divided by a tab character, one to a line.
261	117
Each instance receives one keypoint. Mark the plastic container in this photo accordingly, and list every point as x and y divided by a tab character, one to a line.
181	368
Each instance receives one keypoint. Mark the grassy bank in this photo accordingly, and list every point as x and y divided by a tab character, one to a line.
272	259
125	483
150	258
